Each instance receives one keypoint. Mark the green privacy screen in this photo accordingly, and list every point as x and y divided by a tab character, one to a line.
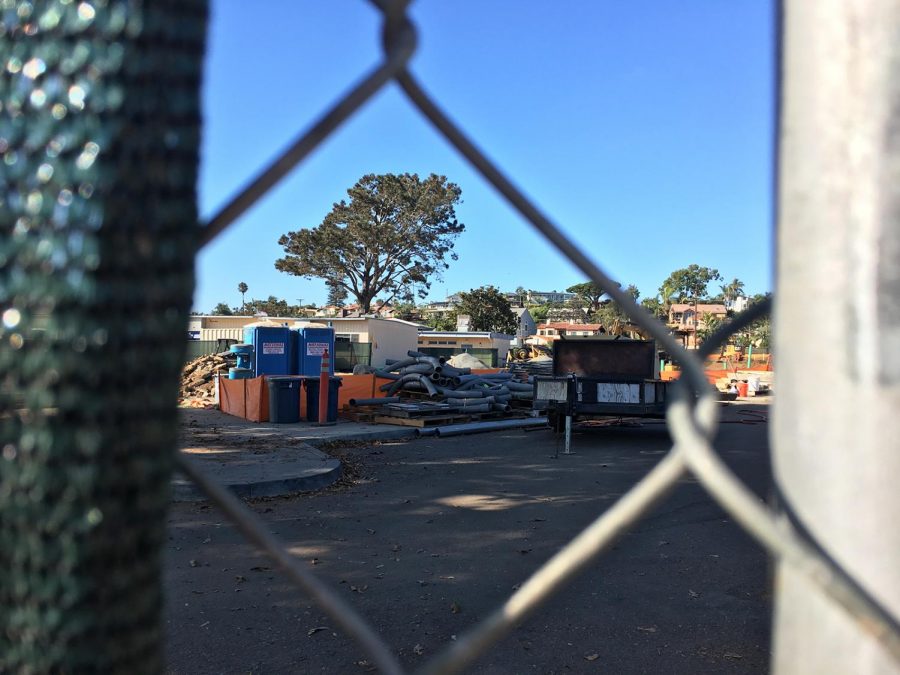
99	136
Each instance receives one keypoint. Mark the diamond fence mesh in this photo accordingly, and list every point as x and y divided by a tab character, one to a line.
134	238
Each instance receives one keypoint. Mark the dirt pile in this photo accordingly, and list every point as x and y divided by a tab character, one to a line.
198	379
466	360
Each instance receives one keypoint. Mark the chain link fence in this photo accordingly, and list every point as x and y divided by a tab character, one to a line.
692	415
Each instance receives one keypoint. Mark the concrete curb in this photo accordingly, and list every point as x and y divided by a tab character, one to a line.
183	490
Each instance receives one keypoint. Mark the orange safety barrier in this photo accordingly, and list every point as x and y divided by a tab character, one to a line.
250	398
712	376
245	398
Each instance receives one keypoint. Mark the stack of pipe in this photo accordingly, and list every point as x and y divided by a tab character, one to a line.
441	381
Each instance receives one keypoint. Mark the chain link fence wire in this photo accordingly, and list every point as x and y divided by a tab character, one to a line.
692	416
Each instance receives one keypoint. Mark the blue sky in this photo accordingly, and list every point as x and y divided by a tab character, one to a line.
643	128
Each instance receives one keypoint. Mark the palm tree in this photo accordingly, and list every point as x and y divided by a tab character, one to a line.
666	292
243	288
521	295
732	290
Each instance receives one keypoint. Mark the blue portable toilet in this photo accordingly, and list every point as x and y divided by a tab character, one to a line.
312	341
274	350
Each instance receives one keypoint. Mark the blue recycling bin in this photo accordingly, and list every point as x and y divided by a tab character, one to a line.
284	399
312	399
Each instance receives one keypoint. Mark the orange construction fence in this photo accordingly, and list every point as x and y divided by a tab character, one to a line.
245	398
250	398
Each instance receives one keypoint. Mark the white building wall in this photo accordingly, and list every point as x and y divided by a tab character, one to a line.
222	334
359	327
391	340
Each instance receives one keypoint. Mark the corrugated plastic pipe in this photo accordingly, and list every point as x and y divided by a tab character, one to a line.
469	403
519	386
454	393
478	427
423	368
375	401
437	360
480	408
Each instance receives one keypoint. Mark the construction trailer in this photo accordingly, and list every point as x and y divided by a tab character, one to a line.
601	377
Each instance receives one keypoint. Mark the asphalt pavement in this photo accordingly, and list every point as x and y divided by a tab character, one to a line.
425	537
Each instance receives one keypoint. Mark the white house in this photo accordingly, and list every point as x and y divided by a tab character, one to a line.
526	326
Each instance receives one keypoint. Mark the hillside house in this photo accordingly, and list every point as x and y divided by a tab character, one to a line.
557	329
686	319
526	326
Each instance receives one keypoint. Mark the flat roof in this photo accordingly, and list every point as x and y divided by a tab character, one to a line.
466	333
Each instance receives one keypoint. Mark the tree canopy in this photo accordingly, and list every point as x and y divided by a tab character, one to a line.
655	307
611	314
222	310
336	295
488	310
272	306
589	294
442	321
688	284
392	236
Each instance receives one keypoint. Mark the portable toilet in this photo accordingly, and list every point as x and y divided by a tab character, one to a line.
275	349
312	341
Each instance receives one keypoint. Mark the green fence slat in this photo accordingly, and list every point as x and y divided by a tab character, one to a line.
99	136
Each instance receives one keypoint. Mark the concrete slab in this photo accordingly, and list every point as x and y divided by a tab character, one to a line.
229	426
281	471
266	460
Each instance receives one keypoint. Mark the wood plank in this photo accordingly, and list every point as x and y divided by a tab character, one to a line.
420	422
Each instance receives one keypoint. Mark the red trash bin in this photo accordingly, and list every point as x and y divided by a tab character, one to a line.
742	389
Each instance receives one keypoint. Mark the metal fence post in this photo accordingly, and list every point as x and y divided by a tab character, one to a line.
837	321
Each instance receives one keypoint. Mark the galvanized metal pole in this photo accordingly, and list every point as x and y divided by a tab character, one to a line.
837	321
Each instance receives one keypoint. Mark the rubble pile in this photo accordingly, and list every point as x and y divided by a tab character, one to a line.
537	365
198	379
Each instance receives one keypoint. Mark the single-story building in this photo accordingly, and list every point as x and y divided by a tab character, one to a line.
382	338
366	340
467	341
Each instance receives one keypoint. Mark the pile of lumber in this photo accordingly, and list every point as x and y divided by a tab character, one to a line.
198	381
539	365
